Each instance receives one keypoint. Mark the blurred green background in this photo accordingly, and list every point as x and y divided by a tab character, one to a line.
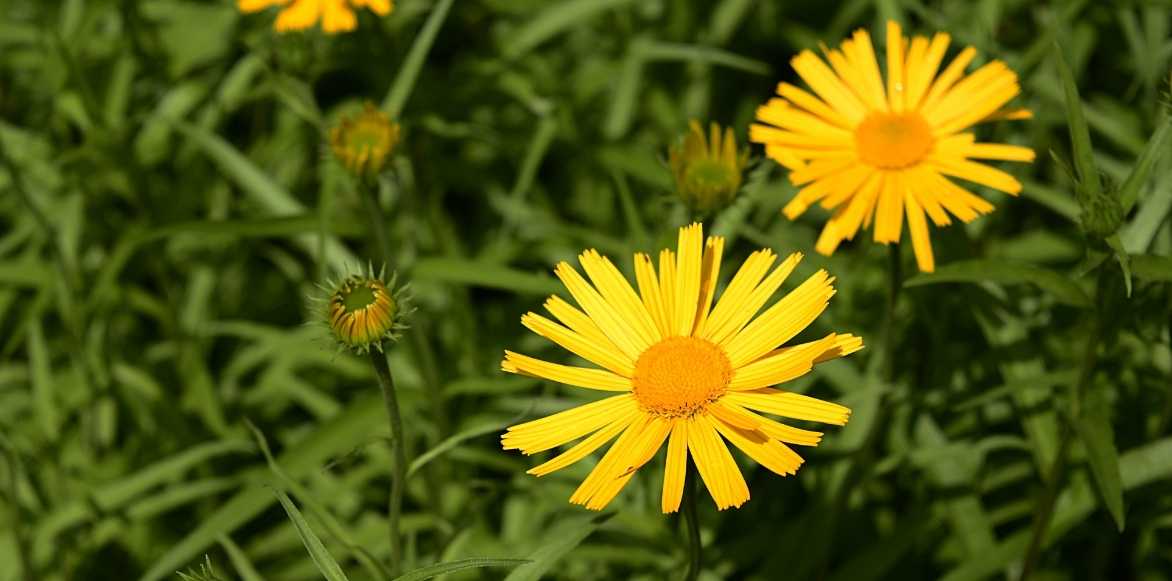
167	203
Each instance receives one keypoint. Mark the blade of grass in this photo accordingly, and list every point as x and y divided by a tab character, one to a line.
1080	134
409	71
423	573
326	564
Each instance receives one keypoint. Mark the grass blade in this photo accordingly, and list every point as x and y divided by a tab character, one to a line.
568	535
409	71
1080	134
474	273
317	551
438	569
1129	191
553	20
974	271
1094	428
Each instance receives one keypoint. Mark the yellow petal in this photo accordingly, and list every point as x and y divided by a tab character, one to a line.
782	321
618	293
588	445
552	431
687	291
767	452
717	468
579	376
612	324
709	274
921	242
781	366
791	405
606	356
675	470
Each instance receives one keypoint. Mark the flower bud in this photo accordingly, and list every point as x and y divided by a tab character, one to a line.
707	169
364	141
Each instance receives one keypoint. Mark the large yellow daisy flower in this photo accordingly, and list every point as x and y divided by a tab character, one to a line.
335	15
686	372
870	152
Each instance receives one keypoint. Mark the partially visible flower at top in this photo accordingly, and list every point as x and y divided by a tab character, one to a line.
363	310
335	15
686	371
707	169
870	151
364	141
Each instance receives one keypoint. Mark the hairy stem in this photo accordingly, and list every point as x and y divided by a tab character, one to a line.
399	470
692	522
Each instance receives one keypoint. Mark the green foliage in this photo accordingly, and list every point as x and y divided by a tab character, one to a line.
167	204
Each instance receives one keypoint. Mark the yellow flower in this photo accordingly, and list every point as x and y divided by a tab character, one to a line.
686	373
364	141
335	15
707	170
875	152
362	311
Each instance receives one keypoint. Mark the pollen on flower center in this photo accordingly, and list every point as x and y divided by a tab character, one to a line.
893	141
680	375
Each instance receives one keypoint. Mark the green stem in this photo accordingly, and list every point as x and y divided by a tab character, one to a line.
369	194
1057	471
692	521
399	470
894	284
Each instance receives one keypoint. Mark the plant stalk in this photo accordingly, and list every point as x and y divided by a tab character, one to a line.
399	470
1057	471
692	522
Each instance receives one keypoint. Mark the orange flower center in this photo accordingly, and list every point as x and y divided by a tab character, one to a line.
893	141
681	375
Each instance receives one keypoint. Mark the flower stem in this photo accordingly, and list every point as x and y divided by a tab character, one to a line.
369	193
1056	475
894	284
692	521
399	470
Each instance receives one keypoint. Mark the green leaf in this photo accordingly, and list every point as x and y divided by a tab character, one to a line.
438	569
474	273
451	442
44	387
554	19
326	564
562	539
1129	191
976	271
1094	428
1080	134
344	431
1121	255
409	70
262	188
1152	268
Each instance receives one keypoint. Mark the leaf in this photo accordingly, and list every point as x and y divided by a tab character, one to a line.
262	188
438	569
562	539
341	433
1142	170
1094	428
656	50
476	273
975	271
1080	134
1121	255
326	564
554	19
44	387
451	442
409	70
1152	268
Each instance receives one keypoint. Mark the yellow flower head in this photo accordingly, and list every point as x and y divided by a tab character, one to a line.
707	169
364	141
362	311
335	15
870	149
682	371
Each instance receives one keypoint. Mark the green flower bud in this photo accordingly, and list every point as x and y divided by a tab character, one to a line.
707	169
1102	214
363	142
